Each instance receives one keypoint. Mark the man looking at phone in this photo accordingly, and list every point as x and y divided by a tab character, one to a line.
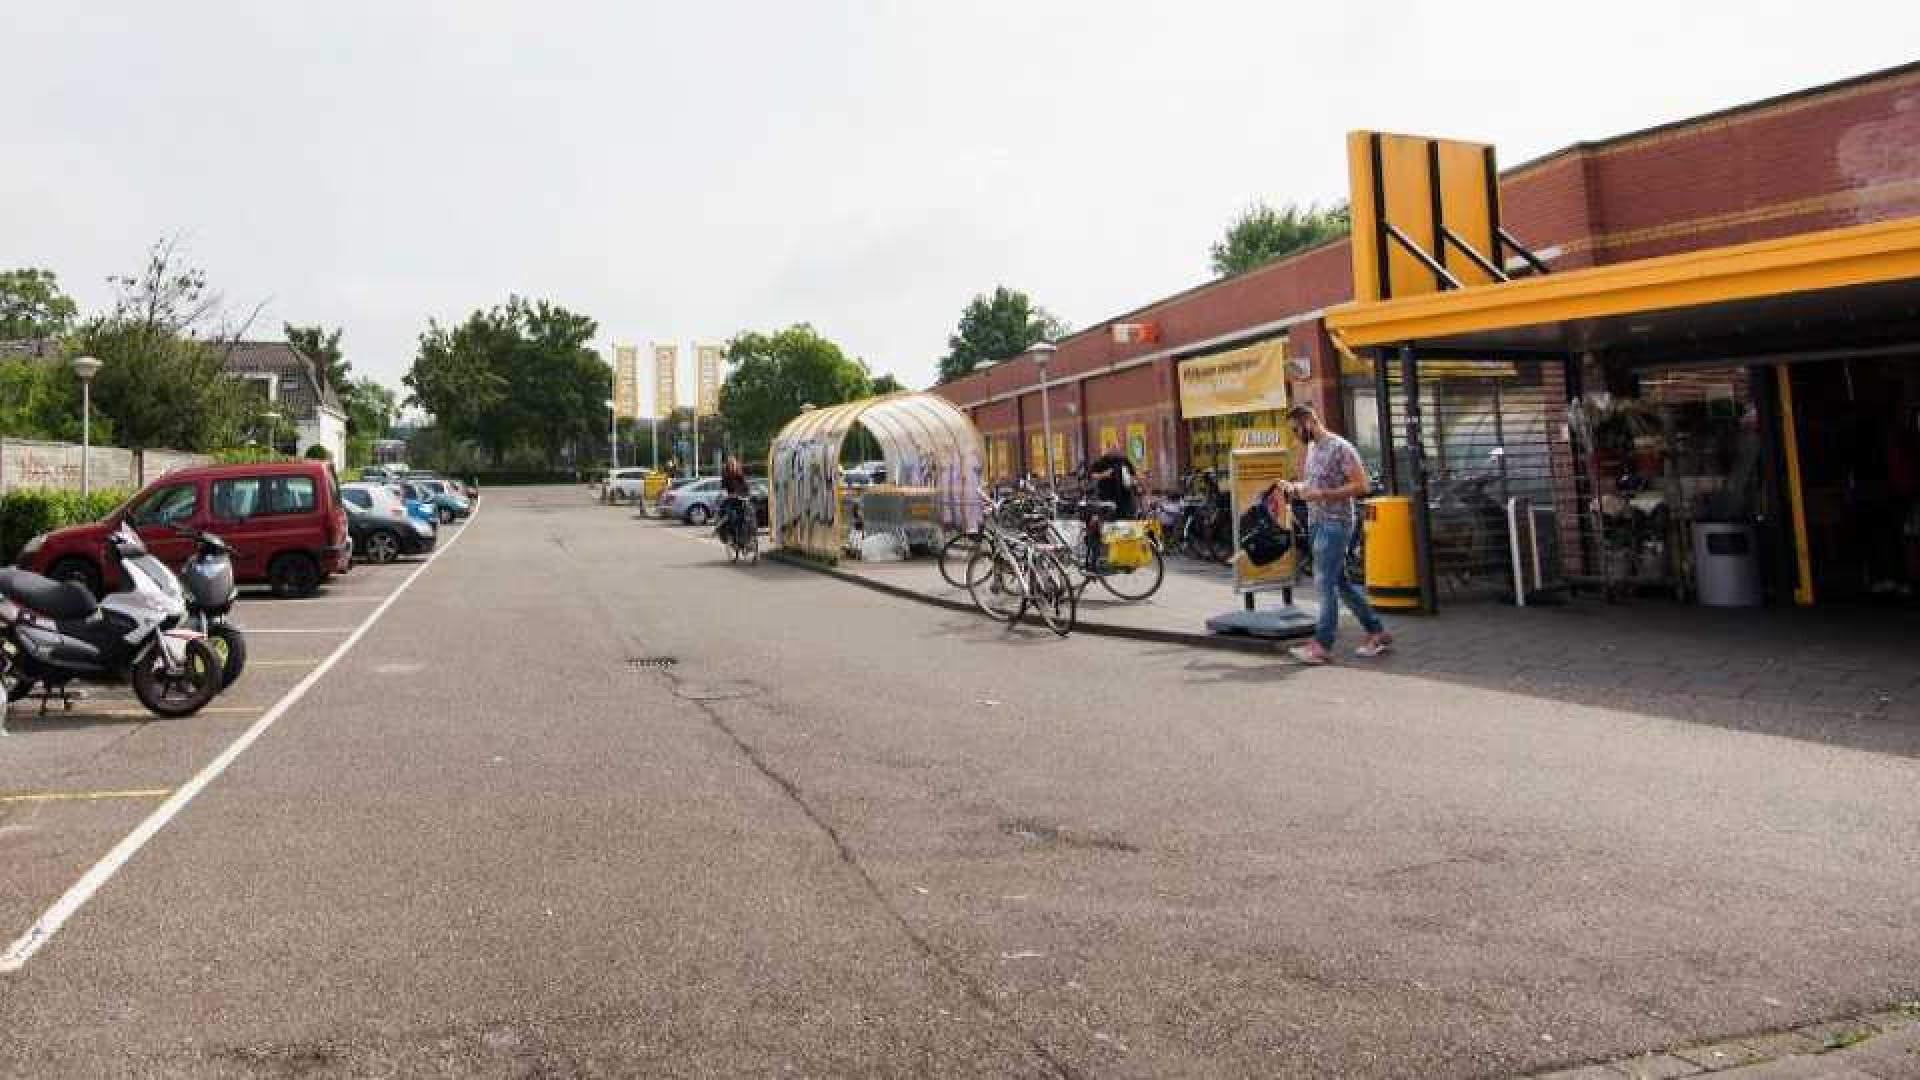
1331	478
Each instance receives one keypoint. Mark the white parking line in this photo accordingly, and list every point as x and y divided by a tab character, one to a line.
49	923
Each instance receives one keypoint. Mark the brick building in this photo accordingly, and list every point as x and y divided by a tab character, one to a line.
1843	154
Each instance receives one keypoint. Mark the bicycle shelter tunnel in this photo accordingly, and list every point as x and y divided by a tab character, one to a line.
935	459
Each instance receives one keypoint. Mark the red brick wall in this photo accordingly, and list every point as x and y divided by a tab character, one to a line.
1846	156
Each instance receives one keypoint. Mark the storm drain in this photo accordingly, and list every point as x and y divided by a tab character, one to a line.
1042	835
650	663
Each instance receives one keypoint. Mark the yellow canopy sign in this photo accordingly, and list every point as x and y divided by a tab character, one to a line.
1249	379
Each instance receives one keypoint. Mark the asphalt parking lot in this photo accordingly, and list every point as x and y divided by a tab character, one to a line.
78	781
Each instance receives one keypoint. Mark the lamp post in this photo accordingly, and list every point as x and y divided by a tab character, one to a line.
1042	353
613	436
84	369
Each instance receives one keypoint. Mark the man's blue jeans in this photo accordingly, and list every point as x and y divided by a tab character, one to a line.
1329	540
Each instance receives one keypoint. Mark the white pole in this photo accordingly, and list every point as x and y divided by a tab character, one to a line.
86	438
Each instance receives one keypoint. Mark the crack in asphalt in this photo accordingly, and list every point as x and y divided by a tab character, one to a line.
851	859
974	992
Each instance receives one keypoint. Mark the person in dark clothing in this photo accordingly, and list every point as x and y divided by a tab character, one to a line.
738	501
1115	480
733	477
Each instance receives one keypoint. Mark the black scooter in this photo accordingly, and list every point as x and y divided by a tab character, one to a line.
211	591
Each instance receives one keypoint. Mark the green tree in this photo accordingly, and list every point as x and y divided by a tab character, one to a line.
371	408
322	347
32	307
774	375
1261	234
160	382
514	377
886	384
40	399
996	327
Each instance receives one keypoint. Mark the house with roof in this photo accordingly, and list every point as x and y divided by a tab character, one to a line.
293	386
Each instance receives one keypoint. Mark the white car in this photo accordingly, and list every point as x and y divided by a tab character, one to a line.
628	484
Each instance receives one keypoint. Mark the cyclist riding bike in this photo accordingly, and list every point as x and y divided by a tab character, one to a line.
736	505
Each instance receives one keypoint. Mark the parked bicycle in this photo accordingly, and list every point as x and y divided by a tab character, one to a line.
1127	560
1021	567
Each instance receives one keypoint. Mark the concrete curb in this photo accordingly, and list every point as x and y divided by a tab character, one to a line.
1185	638
1885	1043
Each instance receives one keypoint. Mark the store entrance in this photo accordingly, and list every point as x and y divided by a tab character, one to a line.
1858	423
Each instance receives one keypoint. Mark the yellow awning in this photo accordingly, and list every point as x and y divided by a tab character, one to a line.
1878	264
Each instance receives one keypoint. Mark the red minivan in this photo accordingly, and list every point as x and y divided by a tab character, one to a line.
284	522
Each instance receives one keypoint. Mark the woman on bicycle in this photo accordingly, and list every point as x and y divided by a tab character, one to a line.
733	486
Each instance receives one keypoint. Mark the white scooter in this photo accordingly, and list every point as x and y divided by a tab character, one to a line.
53	633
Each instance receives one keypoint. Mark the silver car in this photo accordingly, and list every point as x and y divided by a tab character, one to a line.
698	501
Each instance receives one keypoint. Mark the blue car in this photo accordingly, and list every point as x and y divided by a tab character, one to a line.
449	505
419	503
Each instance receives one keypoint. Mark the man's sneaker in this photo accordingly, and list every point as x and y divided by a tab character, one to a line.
1375	645
1312	654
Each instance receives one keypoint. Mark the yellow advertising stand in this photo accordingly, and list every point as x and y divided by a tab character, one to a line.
1260	463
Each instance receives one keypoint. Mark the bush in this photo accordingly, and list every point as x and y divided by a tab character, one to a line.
26	514
316	452
248	455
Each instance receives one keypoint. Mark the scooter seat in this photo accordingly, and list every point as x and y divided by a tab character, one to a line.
58	600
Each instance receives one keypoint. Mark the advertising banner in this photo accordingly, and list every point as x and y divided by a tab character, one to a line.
1036	454
1109	438
708	360
1001	450
666	361
1248	379
1261	461
1137	447
626	382
1060	462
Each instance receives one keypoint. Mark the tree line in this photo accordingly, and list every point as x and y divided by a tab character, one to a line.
163	343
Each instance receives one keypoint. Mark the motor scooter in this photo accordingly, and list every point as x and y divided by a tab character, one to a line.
208	581
53	633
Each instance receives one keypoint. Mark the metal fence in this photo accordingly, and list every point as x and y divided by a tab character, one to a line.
1492	433
26	464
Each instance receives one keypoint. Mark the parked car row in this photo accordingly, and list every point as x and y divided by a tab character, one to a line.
290	525
143	595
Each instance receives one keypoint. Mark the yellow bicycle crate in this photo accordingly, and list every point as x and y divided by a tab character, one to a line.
1127	544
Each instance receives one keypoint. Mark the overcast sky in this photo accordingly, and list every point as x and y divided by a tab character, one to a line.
685	171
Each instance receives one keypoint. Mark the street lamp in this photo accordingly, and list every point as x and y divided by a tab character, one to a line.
1042	353
613	435
84	369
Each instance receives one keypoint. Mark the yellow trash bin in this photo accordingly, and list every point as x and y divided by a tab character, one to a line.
1393	579
651	487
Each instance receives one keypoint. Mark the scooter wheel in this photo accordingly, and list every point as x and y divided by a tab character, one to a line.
230	645
184	694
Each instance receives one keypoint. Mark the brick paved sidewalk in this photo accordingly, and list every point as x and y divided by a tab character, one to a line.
1850	676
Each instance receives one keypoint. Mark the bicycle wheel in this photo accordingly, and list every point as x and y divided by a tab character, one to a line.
1139	582
1054	594
957	553
998	587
